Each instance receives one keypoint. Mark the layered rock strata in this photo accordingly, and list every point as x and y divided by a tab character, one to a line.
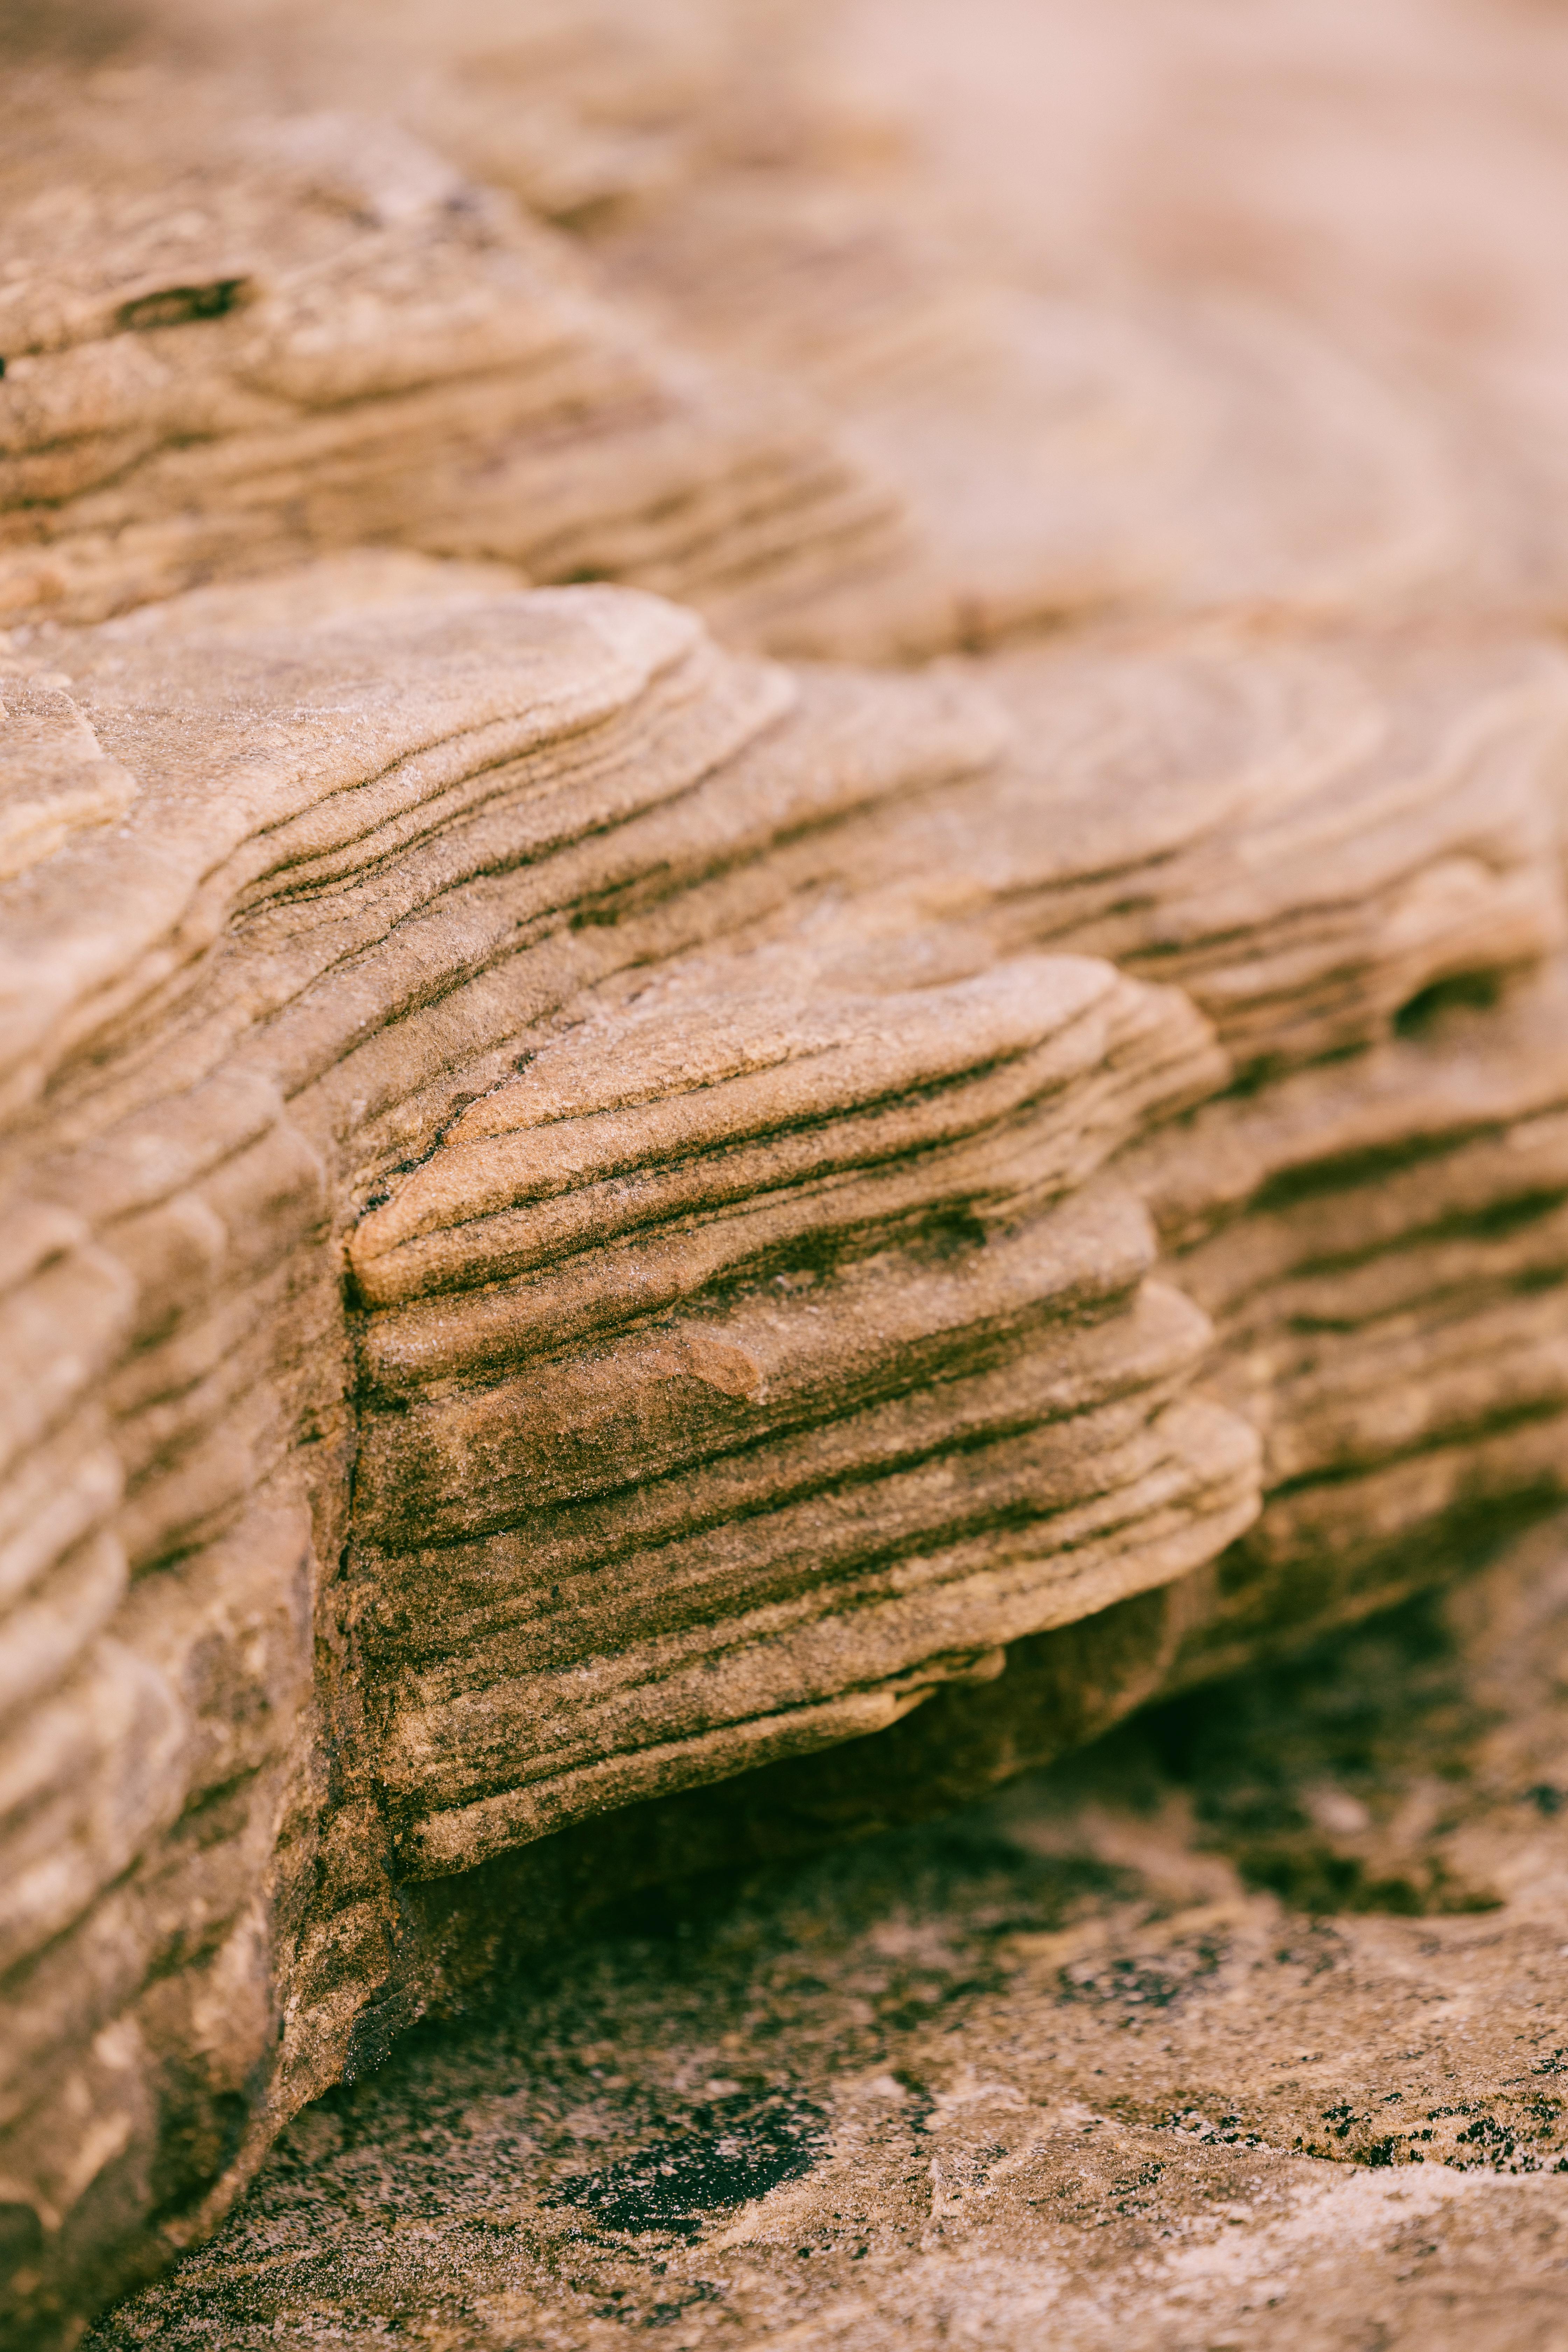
1074	2060
586	1212
1122	413
1370	913
227	351
1063	451
587	1216
287	901
771	386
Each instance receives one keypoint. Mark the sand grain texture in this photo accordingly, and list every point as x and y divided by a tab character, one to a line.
782	1010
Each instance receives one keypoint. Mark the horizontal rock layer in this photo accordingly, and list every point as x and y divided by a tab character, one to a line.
749	371
583	1211
227	350
586	1212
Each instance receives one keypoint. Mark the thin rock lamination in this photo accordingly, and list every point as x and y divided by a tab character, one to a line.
585	1211
227	349
772	386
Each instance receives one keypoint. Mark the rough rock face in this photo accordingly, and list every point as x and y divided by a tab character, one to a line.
587	1213
761	380
1042	317
589	1217
222	352
1073	2066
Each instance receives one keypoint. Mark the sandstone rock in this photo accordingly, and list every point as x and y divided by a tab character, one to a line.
1061	451
796	395
1386	180
1076	2064
1391	176
586	1215
783	184
227	347
616	1257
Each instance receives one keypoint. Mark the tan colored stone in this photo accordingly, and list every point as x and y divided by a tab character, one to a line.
650	1148
225	341
1243	2028
614	1254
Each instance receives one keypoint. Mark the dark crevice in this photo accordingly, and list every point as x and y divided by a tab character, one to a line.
177	306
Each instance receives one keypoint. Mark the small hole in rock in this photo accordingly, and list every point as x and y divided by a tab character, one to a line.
1475	992
175	306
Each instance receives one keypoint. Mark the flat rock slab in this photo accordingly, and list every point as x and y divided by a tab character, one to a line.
1065	2068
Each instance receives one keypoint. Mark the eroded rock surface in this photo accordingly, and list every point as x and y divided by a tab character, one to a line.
1244	2028
616	1254
753	362
1130	315
231	344
569	1240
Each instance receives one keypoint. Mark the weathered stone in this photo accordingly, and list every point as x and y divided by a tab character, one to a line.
616	1257
231	344
960	238
856	429
1244	2028
748	1204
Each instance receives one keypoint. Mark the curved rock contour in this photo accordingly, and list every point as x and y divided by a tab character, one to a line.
586	1215
586	1212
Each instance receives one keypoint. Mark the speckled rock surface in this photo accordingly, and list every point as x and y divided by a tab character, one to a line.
1247	2029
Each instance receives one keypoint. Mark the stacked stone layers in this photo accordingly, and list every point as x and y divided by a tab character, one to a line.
584	1212
182	993
964	229
1064	453
289	902
581	1212
1344	852
1151	311
877	1443
764	392
314	333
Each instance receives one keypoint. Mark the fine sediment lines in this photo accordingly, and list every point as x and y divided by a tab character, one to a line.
235	345
587	1211
589	1201
784	391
